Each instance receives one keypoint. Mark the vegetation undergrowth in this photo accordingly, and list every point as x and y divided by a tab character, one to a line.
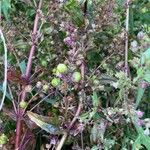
75	74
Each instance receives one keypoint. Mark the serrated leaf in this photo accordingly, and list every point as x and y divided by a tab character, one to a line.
73	9
43	125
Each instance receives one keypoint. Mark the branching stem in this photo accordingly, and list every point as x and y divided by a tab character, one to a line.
28	71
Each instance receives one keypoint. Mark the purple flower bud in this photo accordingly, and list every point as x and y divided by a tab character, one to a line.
69	41
144	84
71	29
139	113
140	122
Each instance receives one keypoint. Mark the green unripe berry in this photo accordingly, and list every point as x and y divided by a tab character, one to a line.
45	87
76	77
23	104
54	70
57	73
44	63
62	68
3	139
55	82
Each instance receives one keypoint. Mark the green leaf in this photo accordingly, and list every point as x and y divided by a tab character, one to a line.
37	119
95	99
137	144
147	76
95	147
7	94
140	94
22	66
51	100
131	20
6	6
73	9
145	56
90	10
142	139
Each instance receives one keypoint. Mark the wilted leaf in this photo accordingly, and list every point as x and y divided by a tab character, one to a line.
98	131
44	125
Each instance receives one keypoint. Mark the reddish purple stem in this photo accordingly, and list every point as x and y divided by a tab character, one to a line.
28	72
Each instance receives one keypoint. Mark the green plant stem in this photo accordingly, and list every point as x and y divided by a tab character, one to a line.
127	38
126	52
5	69
61	143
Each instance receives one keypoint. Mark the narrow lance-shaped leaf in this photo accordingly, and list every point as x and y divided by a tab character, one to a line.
90	10
43	125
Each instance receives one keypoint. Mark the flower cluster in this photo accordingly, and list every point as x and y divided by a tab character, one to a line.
143	122
70	39
139	115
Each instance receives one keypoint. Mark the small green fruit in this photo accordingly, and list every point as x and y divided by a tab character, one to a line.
3	139
44	63
62	68
54	70
55	82
57	73
45	87
23	104
76	77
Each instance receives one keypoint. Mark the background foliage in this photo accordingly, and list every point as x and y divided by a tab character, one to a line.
115	106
